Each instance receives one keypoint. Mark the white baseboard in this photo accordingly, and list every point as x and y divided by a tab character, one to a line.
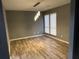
26	37
40	35
58	39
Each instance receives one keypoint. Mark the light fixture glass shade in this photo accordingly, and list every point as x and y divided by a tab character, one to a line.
37	16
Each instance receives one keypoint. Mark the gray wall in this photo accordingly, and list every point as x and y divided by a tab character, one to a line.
22	24
63	19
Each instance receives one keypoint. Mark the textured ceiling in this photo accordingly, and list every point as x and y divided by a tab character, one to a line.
27	5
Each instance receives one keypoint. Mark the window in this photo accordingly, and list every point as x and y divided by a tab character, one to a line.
50	23
53	23
46	23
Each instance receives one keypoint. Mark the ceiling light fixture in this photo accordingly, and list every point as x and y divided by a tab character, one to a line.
37	16
38	13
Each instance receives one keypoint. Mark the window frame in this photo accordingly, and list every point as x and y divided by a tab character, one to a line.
44	23
50	23
55	24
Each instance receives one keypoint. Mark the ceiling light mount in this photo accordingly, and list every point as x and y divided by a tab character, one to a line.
36	4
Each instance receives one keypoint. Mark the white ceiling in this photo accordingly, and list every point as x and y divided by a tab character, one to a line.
27	5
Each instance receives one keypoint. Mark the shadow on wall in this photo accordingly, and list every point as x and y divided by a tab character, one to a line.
22	24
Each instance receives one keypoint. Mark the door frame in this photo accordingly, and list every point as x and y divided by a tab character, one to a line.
75	34
74	45
4	51
71	37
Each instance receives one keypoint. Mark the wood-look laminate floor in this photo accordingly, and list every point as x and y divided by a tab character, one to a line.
40	47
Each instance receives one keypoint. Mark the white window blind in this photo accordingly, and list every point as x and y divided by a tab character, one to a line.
53	17
51	23
46	17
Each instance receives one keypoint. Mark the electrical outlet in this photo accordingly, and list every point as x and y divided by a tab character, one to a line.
37	32
61	35
34	33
